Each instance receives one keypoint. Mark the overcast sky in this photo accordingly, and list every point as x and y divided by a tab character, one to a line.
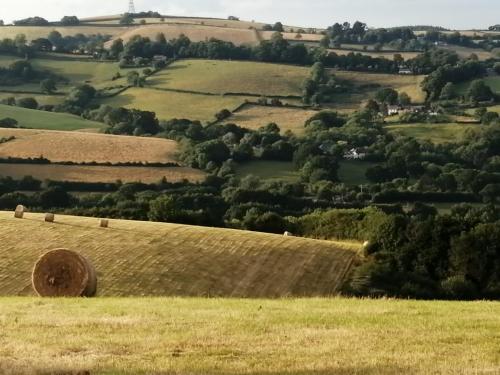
458	14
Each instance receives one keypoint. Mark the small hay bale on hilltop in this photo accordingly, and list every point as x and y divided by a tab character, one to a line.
64	273
49	218
19	212
104	223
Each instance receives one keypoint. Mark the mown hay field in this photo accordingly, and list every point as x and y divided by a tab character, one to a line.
435	133
216	22
105	174
157	259
401	83
169	105
222	77
287	118
248	336
30	118
196	33
86	147
387	55
35	32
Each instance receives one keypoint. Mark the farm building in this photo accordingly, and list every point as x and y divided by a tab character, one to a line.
354	154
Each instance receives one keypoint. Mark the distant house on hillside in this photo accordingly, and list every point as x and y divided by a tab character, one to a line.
160	58
354	154
405	71
393	110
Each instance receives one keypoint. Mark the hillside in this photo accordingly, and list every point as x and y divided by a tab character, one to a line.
155	259
80	147
222	77
35	119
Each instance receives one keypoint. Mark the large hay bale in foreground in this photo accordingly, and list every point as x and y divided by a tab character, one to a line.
64	273
19	212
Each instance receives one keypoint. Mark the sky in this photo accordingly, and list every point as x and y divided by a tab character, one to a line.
454	14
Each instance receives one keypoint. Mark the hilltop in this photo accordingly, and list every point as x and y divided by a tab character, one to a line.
156	259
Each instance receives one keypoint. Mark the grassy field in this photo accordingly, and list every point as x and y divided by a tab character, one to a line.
195	33
402	83
30	118
269	170
255	117
493	82
465	52
158	259
436	133
353	172
248	337
97	74
41	99
168	105
221	77
105	174
86	147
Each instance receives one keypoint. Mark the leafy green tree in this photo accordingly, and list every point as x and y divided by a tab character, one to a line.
164	209
404	99
70	21
116	48
48	86
448	92
127	19
479	91
29	103
278	26
387	96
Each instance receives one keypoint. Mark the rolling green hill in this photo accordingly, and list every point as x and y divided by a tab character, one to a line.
155	259
34	119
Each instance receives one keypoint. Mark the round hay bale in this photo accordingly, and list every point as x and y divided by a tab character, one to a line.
19	212
288	234
104	223
49	218
64	273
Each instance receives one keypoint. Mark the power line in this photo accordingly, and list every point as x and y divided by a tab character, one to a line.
131	6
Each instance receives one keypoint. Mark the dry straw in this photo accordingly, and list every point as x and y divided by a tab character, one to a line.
49	218
104	223
19	213
64	273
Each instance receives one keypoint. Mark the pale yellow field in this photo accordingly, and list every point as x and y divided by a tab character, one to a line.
41	99
401	83
157	259
186	20
35	32
387	55
169	105
222	77
86	147
83	173
305	37
195	33
255	117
